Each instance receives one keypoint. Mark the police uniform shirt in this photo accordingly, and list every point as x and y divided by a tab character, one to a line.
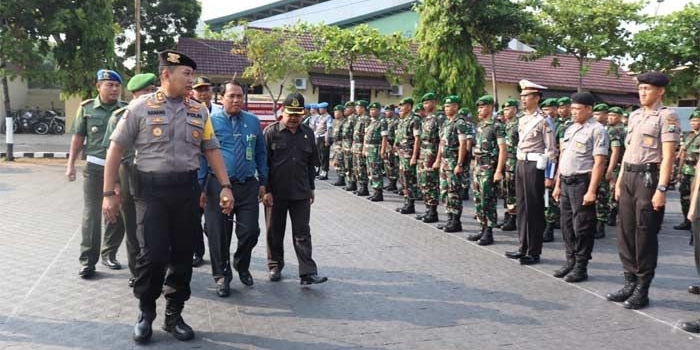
647	131
582	142
168	134
539	138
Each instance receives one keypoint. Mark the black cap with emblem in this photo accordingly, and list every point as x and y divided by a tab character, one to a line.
174	58
653	78
583	98
294	103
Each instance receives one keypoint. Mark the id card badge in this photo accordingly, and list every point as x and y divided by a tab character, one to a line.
249	147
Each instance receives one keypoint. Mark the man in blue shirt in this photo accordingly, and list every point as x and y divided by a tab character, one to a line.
243	149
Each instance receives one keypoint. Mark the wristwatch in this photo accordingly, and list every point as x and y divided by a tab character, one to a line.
662	188
227	186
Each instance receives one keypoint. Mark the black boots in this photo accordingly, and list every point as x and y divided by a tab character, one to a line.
579	273
626	291
363	191
600	230
640	295
509	225
548	233
685	225
340	181
351	186
142	329
477	236
564	270
501	223
431	214
174	324
612	219
408	207
486	236
378	195
392	186
453	224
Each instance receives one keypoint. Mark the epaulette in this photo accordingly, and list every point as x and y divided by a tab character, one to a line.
117	111
87	101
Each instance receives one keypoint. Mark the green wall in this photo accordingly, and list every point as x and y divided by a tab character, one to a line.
404	22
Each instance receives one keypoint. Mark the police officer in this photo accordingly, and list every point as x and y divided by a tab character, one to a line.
391	159
651	141
602	209
339	120
324	128
292	156
408	147
490	153
139	85
359	161
428	177
89	129
243	149
510	110
374	150
616	135
581	166
346	140
168	131
690	150
550	108
535	170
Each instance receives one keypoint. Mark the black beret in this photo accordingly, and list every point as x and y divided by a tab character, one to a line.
174	58
653	78
584	98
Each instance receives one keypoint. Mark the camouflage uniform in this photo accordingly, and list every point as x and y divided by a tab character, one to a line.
691	145
391	162
451	184
338	155
466	174
375	130
346	135
511	138
602	207
427	177
489	134
409	127
616	134
551	213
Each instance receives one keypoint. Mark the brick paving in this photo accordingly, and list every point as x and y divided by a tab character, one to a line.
395	283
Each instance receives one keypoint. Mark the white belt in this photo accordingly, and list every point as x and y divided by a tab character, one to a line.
533	157
95	160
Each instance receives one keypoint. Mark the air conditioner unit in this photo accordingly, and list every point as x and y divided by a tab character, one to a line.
300	83
396	90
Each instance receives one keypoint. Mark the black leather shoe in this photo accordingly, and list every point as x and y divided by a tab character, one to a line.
312	279
142	329
692	326
246	278
131	282
530	260
548	235
111	263
178	328
275	275
685	225
599	230
197	260
223	288
86	271
514	255
694	289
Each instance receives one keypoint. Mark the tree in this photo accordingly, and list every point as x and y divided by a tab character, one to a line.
589	30
495	25
446	60
340	48
672	44
162	23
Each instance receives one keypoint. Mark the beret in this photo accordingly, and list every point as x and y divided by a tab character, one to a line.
140	81
653	78
108	74
583	98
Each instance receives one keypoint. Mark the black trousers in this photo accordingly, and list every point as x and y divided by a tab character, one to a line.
276	218
695	231
529	193
199	232
167	214
220	227
324	152
128	211
638	224
578	221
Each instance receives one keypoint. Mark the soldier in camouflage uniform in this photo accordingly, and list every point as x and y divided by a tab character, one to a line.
490	153
391	158
688	159
359	161
616	135
510	109
419	110
346	140
337	137
375	145
407	144
449	162
471	130
551	214
602	209
428	179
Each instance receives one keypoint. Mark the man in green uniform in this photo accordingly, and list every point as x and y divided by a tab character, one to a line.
510	109
428	179
490	153
391	158
616	134
359	161
690	150
602	210
337	136
139	85
464	114
374	149
419	110
552	216
346	140
89	129
407	144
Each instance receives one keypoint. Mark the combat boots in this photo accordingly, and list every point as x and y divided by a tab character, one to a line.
449	221
351	186
612	220
174	324
548	233
579	273
510	224
405	203
505	219
455	224
640	296
626	291
363	191
431	215
685	225
477	236
566	268
378	195
600	230
142	329
392	186
486	237
408	207
340	181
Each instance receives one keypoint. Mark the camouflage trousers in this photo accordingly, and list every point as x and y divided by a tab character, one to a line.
485	199
467	176
408	178
552	214
349	169
428	181
359	165
612	204
602	209
391	166
338	160
375	167
509	189
684	189
450	186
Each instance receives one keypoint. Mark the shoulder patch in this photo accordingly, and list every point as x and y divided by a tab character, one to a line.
87	101
117	111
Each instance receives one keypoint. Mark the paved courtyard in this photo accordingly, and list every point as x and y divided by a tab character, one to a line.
395	283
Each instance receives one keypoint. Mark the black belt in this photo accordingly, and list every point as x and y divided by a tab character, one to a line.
641	168
241	182
168	179
573	179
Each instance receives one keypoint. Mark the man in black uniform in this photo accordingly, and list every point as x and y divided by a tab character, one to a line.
169	132
292	156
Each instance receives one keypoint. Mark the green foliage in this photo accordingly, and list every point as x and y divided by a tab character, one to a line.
672	44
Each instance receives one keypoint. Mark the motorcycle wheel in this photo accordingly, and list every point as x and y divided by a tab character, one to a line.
41	128
59	128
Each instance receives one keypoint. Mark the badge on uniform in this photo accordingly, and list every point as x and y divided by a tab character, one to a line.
94	129
195	134
648	140
157	132
579	144
305	137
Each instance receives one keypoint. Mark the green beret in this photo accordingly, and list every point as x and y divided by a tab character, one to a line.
140	81
564	101
485	100
429	96
418	107
463	111
349	104
338	108
616	110
696	114
375	105
625	114
550	102
362	103
499	112
601	107
511	102
452	99
406	100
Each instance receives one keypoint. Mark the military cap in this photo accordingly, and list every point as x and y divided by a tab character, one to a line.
140	81
294	103
511	102
174	58
583	98
625	114
349	104
695	114
428	97
550	102
338	108
108	74
527	87
463	111
406	100
201	81
376	105
451	99
601	107
389	107
313	106
362	103
616	110
485	100
653	78
418	107
564	101
323	105
307	106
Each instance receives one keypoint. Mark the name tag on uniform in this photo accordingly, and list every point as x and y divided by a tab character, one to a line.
648	140
156	112
580	144
194	115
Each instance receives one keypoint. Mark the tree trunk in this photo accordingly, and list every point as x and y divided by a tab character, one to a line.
352	83
9	132
137	15
580	74
274	101
493	78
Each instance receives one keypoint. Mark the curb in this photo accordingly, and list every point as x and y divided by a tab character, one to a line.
36	154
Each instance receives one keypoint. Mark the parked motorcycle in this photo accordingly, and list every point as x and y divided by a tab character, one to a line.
15	123
33	121
56	123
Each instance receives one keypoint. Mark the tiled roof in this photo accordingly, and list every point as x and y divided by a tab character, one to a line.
213	57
